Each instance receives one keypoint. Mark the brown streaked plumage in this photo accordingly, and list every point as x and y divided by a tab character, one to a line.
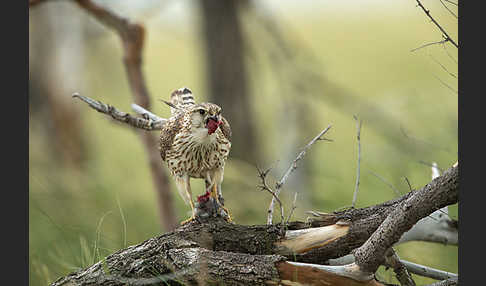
195	143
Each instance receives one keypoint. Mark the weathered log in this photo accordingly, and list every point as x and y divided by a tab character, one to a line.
213	252
210	250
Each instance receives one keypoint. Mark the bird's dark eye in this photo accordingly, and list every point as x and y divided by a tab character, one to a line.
202	111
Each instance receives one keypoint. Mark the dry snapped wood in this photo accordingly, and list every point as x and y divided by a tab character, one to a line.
300	241
297	274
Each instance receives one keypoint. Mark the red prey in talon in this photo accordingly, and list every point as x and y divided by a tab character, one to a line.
204	198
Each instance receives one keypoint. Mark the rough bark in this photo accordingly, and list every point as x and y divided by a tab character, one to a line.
442	191
363	222
213	251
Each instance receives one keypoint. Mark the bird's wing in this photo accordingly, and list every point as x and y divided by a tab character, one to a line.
180	99
225	128
168	133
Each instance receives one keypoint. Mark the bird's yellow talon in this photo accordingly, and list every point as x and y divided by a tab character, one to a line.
228	219
188	220
193	216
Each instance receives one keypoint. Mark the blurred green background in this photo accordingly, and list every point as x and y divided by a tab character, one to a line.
307	64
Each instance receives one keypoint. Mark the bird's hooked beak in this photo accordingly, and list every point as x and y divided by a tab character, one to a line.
212	123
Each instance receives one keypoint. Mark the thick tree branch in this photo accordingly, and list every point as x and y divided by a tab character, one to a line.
137	122
434	228
428	271
439	193
437	227
147	114
392	260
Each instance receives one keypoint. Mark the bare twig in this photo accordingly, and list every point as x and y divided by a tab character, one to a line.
447	8
137	122
294	206
409	185
402	129
397	192
449	55
442	66
449	1
356	187
446	85
392	260
293	166
264	186
429	44
446	35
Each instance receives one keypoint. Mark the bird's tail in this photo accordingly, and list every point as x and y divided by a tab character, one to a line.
181	99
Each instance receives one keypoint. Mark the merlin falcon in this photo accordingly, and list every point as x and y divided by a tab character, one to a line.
195	143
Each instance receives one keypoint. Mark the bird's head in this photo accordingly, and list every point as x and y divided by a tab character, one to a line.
206	115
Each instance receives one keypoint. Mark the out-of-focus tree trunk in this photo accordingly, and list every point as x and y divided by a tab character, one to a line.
53	76
226	72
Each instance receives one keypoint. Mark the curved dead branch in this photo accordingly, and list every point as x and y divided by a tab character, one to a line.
137	122
442	191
